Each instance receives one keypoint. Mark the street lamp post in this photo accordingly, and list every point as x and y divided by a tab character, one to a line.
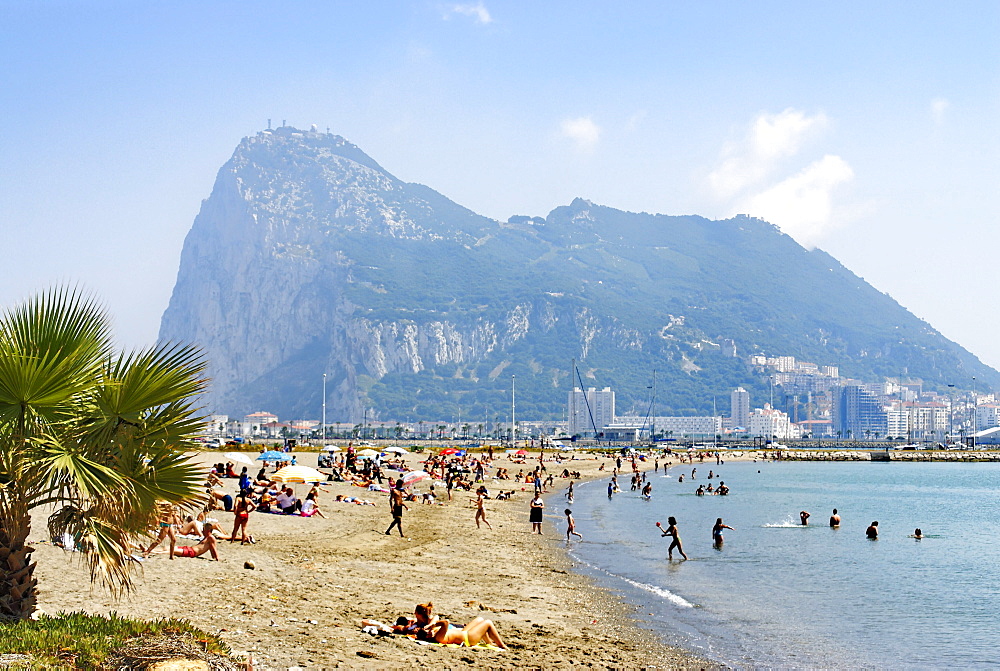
513	429
975	406
323	430
951	414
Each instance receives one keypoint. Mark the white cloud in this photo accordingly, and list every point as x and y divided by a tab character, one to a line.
582	131
801	205
939	108
634	121
477	11
771	138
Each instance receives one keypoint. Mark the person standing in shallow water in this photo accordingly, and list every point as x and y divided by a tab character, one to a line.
671	531
834	519
717	539
804	517
872	531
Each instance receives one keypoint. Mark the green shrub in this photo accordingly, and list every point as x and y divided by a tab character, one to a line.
79	640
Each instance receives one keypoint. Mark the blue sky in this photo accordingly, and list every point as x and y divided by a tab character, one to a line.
872	132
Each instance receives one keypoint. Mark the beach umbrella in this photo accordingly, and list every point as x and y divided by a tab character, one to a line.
521	453
238	458
448	450
301	474
413	477
396	450
367	453
273	455
331	448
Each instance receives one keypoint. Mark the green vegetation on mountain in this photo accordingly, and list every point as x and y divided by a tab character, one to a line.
418	308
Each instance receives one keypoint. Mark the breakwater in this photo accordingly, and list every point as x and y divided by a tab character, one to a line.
876	455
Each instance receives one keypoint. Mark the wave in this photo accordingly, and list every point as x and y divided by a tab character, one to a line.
658	591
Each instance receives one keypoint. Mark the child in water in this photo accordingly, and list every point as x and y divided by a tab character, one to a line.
571	525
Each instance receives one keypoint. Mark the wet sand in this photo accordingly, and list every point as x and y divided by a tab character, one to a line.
315	579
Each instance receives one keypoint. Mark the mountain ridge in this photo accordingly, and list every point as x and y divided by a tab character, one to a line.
309	257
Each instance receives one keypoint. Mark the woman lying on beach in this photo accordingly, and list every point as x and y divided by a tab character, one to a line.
432	629
207	544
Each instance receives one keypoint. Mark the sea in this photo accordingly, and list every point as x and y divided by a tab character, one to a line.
778	594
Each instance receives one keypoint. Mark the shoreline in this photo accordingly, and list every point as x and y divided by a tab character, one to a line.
315	579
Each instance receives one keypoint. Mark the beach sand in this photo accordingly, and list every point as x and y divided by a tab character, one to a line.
315	579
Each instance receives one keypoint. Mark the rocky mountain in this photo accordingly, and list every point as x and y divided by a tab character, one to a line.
309	258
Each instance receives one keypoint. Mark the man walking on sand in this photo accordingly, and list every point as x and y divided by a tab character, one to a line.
396	505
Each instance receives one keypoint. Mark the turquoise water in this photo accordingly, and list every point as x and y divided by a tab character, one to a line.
780	595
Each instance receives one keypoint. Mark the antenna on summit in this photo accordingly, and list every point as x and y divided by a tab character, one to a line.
269	124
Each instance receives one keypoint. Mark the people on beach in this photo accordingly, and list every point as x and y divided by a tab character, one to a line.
481	508
206	544
396	506
569	493
309	507
571	525
167	519
537	506
804	517
242	507
872	531
430	628
671	531
834	519
717	532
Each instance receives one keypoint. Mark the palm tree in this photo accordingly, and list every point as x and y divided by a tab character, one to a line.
96	435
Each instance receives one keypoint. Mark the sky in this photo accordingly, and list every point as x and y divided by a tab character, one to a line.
869	130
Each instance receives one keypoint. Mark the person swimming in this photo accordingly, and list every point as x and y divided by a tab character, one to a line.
918	534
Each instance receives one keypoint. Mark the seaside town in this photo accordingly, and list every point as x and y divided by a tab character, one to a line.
806	402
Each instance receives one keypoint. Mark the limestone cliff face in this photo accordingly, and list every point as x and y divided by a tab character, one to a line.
264	269
309	258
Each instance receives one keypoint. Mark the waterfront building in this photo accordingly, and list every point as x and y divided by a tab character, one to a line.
739	413
857	413
987	417
252	424
599	404
217	424
688	427
768	422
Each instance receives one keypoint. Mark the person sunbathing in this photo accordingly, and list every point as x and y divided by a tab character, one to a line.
207	544
436	630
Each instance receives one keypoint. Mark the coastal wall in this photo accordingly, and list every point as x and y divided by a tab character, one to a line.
890	455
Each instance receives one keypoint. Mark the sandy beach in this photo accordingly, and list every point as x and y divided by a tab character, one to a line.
315	579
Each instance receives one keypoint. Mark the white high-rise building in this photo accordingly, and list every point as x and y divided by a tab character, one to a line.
602	407
769	422
739	414
987	417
